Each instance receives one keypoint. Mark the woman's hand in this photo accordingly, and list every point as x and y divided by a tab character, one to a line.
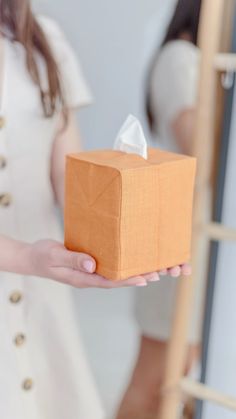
50	259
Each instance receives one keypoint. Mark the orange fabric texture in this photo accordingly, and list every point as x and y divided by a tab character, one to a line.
132	215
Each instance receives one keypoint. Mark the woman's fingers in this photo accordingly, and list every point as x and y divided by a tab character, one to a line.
151	277
84	280
61	257
81	279
175	271
186	269
138	281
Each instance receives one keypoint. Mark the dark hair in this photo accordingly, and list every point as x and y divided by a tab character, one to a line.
17	17
185	19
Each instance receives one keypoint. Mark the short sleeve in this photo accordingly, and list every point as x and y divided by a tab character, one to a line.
174	80
75	89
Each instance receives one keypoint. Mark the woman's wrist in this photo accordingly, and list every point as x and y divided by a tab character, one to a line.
15	256
24	259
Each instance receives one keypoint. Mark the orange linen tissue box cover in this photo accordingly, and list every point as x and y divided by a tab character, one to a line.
131	214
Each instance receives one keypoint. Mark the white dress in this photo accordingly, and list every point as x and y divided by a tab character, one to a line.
43	369
173	90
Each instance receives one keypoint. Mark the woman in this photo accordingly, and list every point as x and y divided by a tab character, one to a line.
43	370
171	99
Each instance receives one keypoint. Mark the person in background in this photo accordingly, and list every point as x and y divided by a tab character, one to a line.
170	106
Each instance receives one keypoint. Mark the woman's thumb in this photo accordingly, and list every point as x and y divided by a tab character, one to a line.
76	261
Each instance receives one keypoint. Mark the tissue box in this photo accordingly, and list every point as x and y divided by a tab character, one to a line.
132	215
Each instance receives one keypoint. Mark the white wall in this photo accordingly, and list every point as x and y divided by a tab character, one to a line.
110	39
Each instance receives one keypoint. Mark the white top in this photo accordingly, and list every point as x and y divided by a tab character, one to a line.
173	86
44	375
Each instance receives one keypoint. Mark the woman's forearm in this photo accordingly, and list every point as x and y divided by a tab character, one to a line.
59	189
67	141
14	255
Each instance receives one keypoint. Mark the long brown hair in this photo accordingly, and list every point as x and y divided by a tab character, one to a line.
185	19
17	18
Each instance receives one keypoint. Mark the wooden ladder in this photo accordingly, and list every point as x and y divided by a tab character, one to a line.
215	34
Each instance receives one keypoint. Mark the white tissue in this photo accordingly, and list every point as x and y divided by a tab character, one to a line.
131	139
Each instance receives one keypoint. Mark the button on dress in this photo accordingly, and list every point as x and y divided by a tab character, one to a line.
43	368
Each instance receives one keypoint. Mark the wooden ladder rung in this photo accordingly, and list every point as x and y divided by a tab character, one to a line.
217	231
225	62
202	392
